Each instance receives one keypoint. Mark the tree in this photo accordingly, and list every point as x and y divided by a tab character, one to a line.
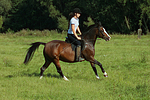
1	22
123	16
29	14
5	6
62	22
145	15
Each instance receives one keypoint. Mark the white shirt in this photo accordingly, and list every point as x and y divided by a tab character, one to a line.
75	22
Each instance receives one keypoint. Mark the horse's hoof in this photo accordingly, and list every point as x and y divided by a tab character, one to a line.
65	78
41	77
97	77
105	74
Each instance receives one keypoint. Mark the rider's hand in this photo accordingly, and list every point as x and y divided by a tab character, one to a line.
79	38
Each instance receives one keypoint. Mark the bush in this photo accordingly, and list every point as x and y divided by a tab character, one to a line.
62	23
90	22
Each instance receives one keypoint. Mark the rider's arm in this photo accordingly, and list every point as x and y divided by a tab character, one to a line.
78	29
74	32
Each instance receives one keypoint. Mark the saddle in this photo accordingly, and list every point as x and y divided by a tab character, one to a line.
74	47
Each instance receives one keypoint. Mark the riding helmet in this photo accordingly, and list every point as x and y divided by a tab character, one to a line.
77	10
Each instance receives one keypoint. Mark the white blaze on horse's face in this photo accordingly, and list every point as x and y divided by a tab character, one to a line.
106	34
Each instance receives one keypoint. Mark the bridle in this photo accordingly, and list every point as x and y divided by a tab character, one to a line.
100	32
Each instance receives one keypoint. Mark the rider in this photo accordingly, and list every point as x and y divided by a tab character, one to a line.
72	35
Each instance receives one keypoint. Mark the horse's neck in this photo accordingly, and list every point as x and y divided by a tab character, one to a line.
90	38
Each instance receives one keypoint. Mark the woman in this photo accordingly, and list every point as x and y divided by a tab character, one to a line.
72	35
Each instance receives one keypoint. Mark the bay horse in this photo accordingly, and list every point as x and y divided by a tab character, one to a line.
56	50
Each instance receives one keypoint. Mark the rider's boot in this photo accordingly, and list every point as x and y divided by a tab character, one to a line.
78	51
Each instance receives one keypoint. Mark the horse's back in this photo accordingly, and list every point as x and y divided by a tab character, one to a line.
60	50
57	41
57	44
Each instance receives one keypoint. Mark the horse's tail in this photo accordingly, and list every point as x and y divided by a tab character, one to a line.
31	51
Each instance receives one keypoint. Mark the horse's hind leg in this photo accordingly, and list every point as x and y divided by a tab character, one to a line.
43	68
57	64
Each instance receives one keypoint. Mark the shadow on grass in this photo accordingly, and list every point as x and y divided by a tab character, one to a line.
131	65
34	74
53	75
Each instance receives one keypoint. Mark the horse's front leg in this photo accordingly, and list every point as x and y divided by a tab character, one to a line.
99	64
94	69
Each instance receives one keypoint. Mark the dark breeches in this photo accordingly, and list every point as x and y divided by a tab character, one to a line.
73	39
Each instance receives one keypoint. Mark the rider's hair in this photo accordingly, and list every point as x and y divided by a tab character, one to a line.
71	15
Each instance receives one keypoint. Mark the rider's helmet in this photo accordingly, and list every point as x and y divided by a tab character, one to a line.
77	10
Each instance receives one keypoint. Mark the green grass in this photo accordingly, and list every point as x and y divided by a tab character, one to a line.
125	58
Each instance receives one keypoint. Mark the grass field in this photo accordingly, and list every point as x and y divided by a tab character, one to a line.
125	58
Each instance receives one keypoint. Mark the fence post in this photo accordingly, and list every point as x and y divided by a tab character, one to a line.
139	33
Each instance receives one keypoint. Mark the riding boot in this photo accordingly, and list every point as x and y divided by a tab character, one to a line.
78	54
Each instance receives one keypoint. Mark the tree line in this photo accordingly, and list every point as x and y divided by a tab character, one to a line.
121	16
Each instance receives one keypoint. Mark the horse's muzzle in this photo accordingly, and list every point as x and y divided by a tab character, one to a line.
107	38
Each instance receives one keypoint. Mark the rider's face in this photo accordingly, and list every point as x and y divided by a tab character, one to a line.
77	15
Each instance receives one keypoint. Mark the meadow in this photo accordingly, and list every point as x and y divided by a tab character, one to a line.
125	58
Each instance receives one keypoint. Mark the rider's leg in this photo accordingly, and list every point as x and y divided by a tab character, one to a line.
78	54
75	41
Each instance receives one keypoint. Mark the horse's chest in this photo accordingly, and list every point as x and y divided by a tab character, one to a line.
89	49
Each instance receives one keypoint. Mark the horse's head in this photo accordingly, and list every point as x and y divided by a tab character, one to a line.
102	33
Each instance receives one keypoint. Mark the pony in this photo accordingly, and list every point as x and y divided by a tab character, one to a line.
56	50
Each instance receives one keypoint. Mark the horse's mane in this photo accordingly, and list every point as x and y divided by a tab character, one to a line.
91	26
